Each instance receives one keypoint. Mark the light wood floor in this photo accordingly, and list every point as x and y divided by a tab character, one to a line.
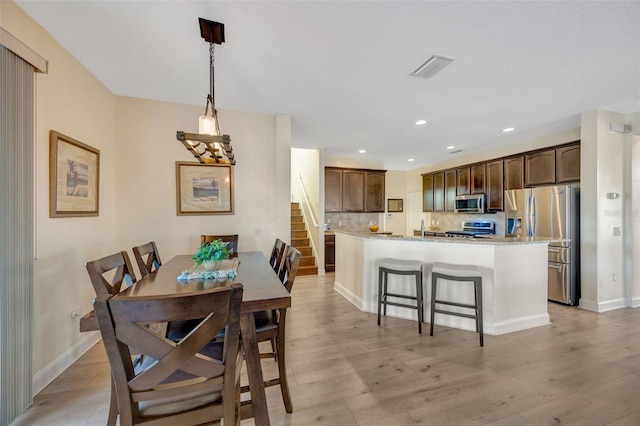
584	369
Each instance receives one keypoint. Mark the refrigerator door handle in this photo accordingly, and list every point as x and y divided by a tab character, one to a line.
532	215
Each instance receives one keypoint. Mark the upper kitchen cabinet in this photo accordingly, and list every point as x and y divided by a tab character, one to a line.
463	185
332	190
374	192
476	180
438	192
450	186
540	168
494	185
352	190
514	173
427	193
568	164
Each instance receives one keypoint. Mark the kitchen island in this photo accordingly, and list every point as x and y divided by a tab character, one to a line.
514	276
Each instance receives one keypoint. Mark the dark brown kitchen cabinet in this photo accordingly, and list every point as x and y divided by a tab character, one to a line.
427	193
514	173
438	192
494	185
463	184
476	179
352	190
568	164
332	190
450	186
329	252
374	192
540	168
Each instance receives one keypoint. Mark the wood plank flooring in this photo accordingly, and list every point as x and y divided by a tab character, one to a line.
583	369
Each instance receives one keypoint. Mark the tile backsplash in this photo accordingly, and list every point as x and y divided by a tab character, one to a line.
453	221
353	222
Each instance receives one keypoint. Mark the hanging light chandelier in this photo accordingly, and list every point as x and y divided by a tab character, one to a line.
208	145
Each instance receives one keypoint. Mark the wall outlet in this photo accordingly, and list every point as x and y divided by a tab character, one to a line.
615	277
258	232
75	313
616	231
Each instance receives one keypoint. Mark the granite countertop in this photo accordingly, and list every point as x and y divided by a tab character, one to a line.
492	240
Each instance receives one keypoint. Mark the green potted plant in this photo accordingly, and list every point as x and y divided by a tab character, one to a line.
211	254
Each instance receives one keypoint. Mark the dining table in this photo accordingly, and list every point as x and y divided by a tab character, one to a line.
263	290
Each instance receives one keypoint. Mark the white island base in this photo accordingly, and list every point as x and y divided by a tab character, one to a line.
514	277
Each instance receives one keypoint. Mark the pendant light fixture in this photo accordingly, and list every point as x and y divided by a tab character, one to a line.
209	145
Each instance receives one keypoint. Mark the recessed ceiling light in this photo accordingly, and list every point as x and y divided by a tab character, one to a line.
421	122
411	159
451	147
362	151
508	129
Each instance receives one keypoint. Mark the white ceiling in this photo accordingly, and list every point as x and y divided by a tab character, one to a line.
342	69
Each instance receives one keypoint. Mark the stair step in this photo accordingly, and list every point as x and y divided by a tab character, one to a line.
298	226
305	251
297	219
295	206
307	270
300	242
298	234
307	261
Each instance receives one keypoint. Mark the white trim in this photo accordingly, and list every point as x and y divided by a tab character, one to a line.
610	305
347	294
634	302
45	376
23	51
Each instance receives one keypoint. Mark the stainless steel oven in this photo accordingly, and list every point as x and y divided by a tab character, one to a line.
470	203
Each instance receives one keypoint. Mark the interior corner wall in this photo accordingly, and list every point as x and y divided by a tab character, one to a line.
147	152
603	252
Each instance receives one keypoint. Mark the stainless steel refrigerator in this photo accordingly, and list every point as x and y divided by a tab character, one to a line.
550	211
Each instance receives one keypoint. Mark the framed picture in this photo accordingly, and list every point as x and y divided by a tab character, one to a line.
74	177
394	205
204	188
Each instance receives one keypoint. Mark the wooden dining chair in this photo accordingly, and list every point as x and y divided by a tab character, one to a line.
270	326
147	258
231	240
191	382
123	273
276	254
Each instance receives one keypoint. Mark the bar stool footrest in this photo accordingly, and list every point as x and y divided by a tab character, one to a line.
461	305
403	305
458	314
404	296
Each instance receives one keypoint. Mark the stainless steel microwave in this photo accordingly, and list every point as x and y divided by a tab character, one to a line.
474	203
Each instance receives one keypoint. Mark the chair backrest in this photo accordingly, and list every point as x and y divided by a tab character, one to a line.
231	240
289	269
152	261
123	272
276	254
186	378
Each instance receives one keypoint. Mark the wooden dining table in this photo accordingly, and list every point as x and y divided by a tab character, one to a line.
263	290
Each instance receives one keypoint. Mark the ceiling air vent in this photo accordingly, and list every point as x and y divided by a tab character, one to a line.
432	66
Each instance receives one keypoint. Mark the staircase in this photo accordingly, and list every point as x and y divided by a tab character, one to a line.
300	240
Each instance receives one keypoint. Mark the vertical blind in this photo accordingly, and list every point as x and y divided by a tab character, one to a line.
16	233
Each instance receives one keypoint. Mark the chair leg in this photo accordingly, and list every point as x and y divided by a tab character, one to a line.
385	289
478	283
419	300
434	286
113	405
282	367
379	293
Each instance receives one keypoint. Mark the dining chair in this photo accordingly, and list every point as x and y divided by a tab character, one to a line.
276	254
152	261
270	326
191	382
231	240
123	273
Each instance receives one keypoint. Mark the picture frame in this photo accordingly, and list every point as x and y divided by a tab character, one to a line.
203	189
394	205
74	177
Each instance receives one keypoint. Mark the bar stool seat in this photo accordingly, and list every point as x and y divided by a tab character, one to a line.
400	267
461	273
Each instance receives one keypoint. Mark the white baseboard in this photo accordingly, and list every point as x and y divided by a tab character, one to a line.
517	324
347	294
600	307
45	376
634	302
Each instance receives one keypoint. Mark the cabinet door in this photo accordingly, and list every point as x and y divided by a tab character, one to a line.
477	179
514	173
329	253
463	181
374	192
540	168
427	193
352	191
495	192
450	190
568	164
438	192
332	190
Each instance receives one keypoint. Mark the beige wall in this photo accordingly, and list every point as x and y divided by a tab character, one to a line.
138	151
306	162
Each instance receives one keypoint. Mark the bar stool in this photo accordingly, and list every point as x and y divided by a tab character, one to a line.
463	273
400	267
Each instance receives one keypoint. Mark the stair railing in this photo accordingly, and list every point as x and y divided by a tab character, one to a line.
307	203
